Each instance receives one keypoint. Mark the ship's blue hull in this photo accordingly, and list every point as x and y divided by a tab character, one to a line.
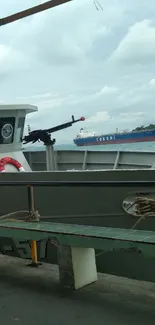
130	137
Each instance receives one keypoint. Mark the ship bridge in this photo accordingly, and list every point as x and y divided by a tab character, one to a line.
85	134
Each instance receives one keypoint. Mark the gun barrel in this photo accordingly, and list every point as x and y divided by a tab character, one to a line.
64	125
44	135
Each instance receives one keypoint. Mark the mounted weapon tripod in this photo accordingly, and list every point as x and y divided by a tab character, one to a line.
45	137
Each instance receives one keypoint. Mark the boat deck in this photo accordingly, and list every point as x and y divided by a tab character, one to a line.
28	297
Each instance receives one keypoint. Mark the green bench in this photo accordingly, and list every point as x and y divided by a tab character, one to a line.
76	245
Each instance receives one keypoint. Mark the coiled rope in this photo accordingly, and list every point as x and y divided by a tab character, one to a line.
141	207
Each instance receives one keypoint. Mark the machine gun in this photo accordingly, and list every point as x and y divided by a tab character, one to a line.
45	135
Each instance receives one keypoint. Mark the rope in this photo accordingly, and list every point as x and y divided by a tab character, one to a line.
31	216
142	207
8	215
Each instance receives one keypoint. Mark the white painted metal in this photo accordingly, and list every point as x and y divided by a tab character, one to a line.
13	148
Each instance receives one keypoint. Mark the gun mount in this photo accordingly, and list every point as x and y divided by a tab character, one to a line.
45	135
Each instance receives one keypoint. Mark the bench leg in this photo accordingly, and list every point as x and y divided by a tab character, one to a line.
77	266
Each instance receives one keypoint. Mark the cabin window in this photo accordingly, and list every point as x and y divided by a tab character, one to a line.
20	127
107	138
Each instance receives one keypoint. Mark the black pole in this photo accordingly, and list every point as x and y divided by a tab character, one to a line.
30	203
80	183
31	11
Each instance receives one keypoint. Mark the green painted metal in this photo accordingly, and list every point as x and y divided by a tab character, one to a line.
80	230
107	239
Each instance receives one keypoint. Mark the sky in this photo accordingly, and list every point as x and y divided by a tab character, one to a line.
84	58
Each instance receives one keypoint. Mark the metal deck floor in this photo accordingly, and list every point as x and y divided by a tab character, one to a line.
30	296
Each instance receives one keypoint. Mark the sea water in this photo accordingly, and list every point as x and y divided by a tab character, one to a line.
140	146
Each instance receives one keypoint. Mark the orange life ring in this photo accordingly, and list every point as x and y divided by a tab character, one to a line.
10	161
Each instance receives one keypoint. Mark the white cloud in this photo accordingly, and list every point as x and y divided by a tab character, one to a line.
37	96
138	45
152	83
62	44
108	91
59	60
12	60
131	117
99	117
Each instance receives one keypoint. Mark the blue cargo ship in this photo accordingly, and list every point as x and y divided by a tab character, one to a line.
85	138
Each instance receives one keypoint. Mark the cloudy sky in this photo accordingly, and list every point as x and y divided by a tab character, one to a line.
75	59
